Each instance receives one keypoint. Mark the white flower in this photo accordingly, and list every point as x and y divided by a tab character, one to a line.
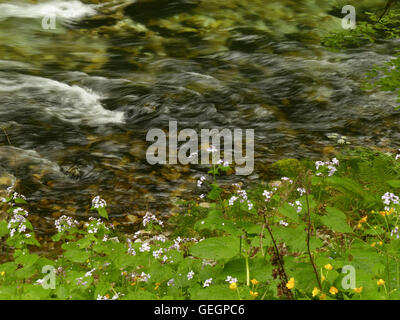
65	223
268	195
212	149
149	217
98	202
388	199
200	181
157	254
232	200
231	280
145	247
89	273
171	282
283	223
330	165
190	275
287	179
144	277
299	206
302	191
207	283
395	231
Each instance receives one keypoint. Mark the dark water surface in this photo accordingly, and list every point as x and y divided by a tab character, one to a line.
76	102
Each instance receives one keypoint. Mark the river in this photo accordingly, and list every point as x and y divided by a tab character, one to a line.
77	101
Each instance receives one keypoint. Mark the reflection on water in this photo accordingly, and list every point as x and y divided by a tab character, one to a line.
76	102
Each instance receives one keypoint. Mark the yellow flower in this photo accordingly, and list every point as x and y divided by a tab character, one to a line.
254	294
328	267
358	290
364	219
380	243
315	291
255	282
359	226
386	213
322	296
233	286
333	290
373	244
372	211
290	284
323	278
380	282
157	286
3	273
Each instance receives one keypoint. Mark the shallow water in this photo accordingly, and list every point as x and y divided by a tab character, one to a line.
76	102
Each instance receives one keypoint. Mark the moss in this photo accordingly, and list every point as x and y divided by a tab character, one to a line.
284	168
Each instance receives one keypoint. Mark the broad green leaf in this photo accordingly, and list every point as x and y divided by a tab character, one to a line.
394	183
335	220
215	221
213	292
289	211
102	213
216	248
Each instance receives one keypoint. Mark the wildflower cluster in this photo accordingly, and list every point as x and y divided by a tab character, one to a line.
149	217
18	222
65	223
330	166
390	199
242	198
95	225
98	202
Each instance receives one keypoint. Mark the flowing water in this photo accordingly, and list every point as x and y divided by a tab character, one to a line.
77	101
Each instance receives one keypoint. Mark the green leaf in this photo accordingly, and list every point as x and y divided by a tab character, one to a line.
102	212
213	292
20	201
335	220
394	183
216	248
215	221
215	192
295	238
289	211
3	228
76	255
140	295
35	292
259	269
27	260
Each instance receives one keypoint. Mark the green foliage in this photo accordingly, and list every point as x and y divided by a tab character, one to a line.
289	240
387	77
368	31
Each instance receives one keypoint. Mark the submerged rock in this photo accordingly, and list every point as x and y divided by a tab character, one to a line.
144	10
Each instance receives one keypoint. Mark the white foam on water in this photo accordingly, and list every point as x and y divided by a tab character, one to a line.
69	103
63	9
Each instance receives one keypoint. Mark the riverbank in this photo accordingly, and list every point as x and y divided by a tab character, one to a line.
288	239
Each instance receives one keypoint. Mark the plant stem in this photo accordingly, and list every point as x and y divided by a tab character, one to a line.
247	271
308	243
